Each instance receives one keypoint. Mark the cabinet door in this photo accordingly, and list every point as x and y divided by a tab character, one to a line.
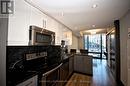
78	63
30	82
64	73
62	76
71	65
87	65
83	64
67	69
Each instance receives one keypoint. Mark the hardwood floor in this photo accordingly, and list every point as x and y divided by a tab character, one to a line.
79	80
101	76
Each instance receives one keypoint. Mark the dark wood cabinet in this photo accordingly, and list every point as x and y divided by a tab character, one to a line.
83	64
71	65
51	78
64	72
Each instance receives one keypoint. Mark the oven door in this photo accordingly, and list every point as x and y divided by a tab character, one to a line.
51	77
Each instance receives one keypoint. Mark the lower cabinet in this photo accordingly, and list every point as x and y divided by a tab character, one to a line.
71	65
64	72
83	64
30	82
51	79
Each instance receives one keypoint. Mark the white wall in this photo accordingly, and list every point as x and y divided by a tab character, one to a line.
81	42
3	39
124	25
26	15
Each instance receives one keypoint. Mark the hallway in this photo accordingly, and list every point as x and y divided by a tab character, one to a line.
101	76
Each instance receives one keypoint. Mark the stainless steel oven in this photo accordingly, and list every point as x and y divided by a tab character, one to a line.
40	36
51	78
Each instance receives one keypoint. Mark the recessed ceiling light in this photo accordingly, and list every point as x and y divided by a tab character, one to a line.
93	25
94	6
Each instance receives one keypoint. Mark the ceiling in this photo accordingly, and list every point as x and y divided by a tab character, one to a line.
79	15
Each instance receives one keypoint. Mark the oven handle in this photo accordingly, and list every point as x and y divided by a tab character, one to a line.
52	70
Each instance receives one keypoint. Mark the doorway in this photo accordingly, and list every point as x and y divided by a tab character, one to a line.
96	45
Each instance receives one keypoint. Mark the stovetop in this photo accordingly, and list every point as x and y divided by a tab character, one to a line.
19	76
15	78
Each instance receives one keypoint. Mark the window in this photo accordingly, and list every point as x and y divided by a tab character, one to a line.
95	44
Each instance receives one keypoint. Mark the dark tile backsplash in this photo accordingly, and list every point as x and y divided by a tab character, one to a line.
16	55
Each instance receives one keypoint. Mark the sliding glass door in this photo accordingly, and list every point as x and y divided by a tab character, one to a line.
95	44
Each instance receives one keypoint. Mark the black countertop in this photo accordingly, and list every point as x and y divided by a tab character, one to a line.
66	57
15	78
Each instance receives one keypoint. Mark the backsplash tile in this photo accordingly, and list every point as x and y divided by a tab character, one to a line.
16	55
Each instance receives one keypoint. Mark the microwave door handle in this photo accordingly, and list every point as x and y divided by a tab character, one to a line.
52	36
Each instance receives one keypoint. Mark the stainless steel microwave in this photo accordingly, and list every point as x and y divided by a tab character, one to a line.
40	36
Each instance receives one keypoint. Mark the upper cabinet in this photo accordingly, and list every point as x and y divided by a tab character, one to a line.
67	36
18	26
26	15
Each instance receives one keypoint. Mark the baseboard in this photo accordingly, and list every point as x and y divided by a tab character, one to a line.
83	73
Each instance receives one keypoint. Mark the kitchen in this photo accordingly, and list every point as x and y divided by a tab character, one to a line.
42	63
25	57
32	64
